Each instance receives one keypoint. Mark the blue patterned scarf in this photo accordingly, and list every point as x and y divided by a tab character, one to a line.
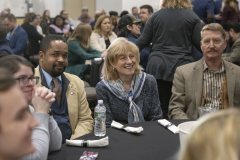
116	87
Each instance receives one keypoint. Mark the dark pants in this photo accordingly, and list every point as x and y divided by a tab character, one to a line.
164	91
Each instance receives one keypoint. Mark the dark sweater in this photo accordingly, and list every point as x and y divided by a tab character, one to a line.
172	33
117	109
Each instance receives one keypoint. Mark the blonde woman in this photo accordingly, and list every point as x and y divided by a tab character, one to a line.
217	137
129	94
79	51
102	35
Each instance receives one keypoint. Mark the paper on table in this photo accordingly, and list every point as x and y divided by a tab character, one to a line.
118	125
133	129
168	125
89	143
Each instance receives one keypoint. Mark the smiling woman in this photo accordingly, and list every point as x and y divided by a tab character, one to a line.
129	94
47	136
14	116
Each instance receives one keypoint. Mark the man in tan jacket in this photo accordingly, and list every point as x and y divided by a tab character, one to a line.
70	110
210	81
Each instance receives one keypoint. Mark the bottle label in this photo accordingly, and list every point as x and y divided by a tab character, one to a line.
99	115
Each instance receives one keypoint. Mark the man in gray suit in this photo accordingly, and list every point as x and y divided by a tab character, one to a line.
210	81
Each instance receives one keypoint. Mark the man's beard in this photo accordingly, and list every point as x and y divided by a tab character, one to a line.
56	72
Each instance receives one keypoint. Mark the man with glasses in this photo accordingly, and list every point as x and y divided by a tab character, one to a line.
70	110
47	136
210	82
129	27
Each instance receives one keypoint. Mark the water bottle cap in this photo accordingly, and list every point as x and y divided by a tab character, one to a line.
100	101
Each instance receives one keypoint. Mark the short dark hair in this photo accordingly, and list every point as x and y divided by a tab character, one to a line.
58	16
148	7
46	42
123	13
62	11
29	17
12	63
113	13
234	26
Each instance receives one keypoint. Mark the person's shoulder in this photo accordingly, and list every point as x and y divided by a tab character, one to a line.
232	65
150	80
73	42
20	29
114	35
150	77
95	34
100	84
73	78
191	65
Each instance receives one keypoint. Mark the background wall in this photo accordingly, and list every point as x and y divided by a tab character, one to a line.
120	5
109	5
128	4
73	7
19	8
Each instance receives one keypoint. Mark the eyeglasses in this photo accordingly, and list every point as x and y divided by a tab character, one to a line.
207	42
24	80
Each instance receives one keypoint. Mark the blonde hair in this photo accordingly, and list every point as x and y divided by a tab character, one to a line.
119	46
186	4
214	27
82	33
217	138
97	27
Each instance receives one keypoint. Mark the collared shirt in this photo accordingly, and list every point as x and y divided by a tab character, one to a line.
48	78
60	111
213	87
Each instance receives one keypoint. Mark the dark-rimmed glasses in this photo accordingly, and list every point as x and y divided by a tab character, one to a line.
24	80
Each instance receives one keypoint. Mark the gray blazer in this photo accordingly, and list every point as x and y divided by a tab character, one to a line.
187	89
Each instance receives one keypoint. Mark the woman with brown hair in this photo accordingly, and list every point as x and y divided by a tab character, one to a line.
79	51
230	13
102	35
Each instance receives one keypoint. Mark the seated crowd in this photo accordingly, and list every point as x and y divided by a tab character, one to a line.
149	71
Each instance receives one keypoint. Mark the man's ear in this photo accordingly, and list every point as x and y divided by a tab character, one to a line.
129	27
41	55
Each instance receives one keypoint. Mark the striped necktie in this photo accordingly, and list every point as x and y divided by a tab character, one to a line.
57	89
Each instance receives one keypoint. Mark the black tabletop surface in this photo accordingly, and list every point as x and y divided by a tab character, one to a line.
155	142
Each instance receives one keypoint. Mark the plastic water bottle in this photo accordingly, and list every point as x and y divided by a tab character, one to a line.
100	119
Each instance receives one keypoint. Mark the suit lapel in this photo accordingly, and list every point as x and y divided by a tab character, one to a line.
72	101
197	82
71	95
230	82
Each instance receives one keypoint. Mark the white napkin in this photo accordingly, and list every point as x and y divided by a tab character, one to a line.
89	143
118	125
168	125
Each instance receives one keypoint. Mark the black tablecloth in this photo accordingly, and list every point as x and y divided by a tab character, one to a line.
155	142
